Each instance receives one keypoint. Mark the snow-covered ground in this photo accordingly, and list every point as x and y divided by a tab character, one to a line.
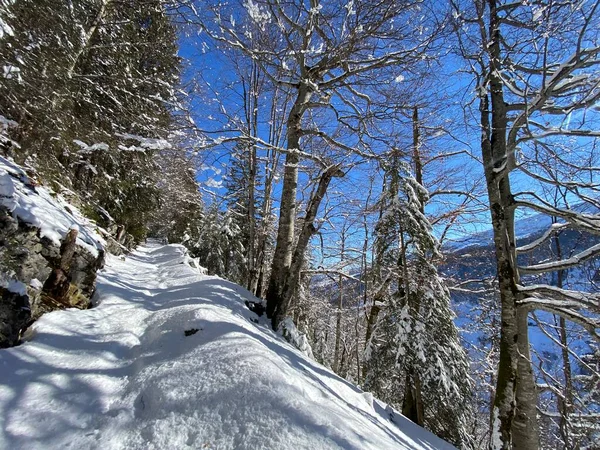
123	375
43	209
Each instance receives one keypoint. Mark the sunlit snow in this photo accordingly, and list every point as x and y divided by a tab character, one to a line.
124	375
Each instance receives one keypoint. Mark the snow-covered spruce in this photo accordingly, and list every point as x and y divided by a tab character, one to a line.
413	347
124	375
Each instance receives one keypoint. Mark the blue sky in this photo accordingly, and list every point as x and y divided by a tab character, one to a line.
218	89
211	69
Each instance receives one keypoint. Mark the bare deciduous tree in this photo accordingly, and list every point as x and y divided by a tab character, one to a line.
328	55
536	67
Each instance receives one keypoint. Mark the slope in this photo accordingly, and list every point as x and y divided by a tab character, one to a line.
124	375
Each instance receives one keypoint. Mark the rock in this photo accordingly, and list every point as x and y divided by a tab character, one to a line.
15	314
256	307
58	283
118	242
113	247
49	252
56	276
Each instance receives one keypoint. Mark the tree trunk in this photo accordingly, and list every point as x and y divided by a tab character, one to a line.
515	403
282	258
565	404
308	230
378	297
338	324
376	309
417	151
251	267
413	400
87	38
251	97
412	403
525	425
258	282
258	279
338	328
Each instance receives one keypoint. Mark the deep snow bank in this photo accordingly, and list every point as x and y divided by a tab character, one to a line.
125	376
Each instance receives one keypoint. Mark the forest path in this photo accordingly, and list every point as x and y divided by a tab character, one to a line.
124	374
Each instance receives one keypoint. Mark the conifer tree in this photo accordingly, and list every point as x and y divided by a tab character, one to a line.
181	204
91	86
219	244
414	357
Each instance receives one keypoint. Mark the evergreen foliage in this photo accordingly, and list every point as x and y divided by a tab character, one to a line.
91	86
237	200
218	243
308	99
415	337
181	205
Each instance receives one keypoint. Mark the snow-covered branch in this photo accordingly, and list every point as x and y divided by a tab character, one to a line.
576	299
564	309
554	228
562	264
586	222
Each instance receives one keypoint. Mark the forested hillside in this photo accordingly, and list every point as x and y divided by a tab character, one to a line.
410	187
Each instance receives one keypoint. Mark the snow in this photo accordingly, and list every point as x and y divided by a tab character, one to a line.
260	16
123	375
36	284
295	337
11	72
36	206
12	285
5	29
85	148
496	439
538	13
5	125
350	8
145	143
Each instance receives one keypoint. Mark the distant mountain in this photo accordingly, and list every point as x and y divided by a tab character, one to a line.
526	229
473	257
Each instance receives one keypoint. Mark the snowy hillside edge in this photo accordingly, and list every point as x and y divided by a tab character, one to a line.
49	253
172	358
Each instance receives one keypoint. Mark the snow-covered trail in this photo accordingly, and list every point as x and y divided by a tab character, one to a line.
124	376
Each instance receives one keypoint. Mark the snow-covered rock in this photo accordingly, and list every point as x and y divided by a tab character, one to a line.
38	207
172	359
33	226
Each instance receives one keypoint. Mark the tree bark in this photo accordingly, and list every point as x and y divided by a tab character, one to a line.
258	283
252	123
308	230
412	403
525	425
282	258
565	404
515	403
338	324
417	151
87	38
413	399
